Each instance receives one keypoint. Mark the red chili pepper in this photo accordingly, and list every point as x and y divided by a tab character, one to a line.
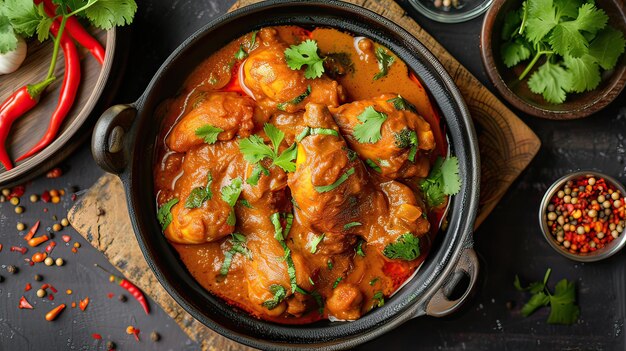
17	191
52	315
96	336
83	304
32	231
24	304
50	247
20	102
130	287
27	287
19	249
50	297
77	31
71	80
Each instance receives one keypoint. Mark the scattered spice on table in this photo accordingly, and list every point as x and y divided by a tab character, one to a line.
54	313
66	238
154	336
20	226
24	304
57	227
55	172
38	277
34	198
39	257
586	214
130	287
123	298
110	346
50	247
32	231
96	336
51	297
83	303
34	242
41	293
12	269
134	331
28	287
54	290
59	262
48	261
19	249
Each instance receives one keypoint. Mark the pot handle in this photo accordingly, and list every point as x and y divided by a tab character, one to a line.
108	139
439	304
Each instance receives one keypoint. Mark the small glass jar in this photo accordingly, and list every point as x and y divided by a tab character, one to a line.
451	11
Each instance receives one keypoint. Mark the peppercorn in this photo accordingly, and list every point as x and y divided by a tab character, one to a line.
65	222
41	293
34	198
57	227
615	195
12	269
38	277
110	345
154	336
48	261
19	209
123	298
15	201
591	181
20	226
68	291
59	262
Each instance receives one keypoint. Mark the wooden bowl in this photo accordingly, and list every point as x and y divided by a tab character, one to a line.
517	92
94	93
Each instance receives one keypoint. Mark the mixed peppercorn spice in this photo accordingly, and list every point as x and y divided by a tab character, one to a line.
586	214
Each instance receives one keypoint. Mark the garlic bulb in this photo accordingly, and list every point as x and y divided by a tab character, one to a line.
12	60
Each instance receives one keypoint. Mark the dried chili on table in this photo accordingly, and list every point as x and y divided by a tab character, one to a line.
38	240
19	249
54	313
83	303
69	89
32	231
130	287
24	304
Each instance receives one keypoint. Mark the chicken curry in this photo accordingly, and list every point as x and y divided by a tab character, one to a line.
288	174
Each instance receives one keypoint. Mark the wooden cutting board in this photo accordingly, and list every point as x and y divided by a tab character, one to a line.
506	145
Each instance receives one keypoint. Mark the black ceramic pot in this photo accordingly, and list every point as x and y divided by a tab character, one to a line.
124	141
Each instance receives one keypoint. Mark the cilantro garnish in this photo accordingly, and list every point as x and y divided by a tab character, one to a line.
339	279
329	264
305	53
401	104
245	203
443	180
298	99
379	298
208	133
315	242
373	165
384	62
279	292
359	248
407	138
574	37
241	53
230	194
369	130
164	214
254	149
407	248
256	174
338	182
374	281
201	194
563	308
238	242
351	224
315	131
280	234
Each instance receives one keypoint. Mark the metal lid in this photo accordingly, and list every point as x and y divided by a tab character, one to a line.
456	11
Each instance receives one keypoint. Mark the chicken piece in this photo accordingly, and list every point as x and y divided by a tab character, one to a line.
345	302
391	152
230	112
274	85
208	222
328	182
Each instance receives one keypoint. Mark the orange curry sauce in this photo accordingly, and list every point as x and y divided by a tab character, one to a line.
240	96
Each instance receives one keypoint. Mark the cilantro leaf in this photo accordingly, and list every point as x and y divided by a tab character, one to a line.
280	234
106	14
241	53
512	22
43	28
405	248
238	242
379	298
279	292
607	47
23	16
567	8
584	73
590	18
563	309
338	182
254	149
253	179
230	193
567	39
164	214
541	19
538	300
285	160
305	54
316	241
8	39
208	133
351	224
201	194
359	248
276	135
298	99
369	130
384	62
514	52
337	281
373	165
442	180
401	104
551	81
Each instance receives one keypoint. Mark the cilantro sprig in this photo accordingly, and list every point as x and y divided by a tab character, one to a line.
279	292
298	99
164	214
255	150
563	308
238	242
305	53
208	133
384	62
443	180
200	194
369	130
407	248
230	193
280	234
569	37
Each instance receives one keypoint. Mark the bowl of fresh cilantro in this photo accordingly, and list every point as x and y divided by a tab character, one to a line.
556	59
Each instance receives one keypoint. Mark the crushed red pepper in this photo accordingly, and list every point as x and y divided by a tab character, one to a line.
23	250
25	304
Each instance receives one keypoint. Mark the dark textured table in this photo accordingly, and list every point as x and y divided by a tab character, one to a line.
508	243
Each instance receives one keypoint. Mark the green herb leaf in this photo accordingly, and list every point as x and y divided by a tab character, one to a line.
541	19
584	73
256	174
607	47
373	165
241	53
567	8
276	135
253	38
319	300
199	195
285	160
379	298
231	192
329	264
374	281
106	14
369	130
351	224
208	133
443	180
536	301
511	25
8	38
298	99
238	242
23	16
245	203
254	149
305	54
43	28
514	52
359	248
338	182
384	62
401	104
164	214
551	81
339	279
324	131
315	242
407	248
280	234
279	295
